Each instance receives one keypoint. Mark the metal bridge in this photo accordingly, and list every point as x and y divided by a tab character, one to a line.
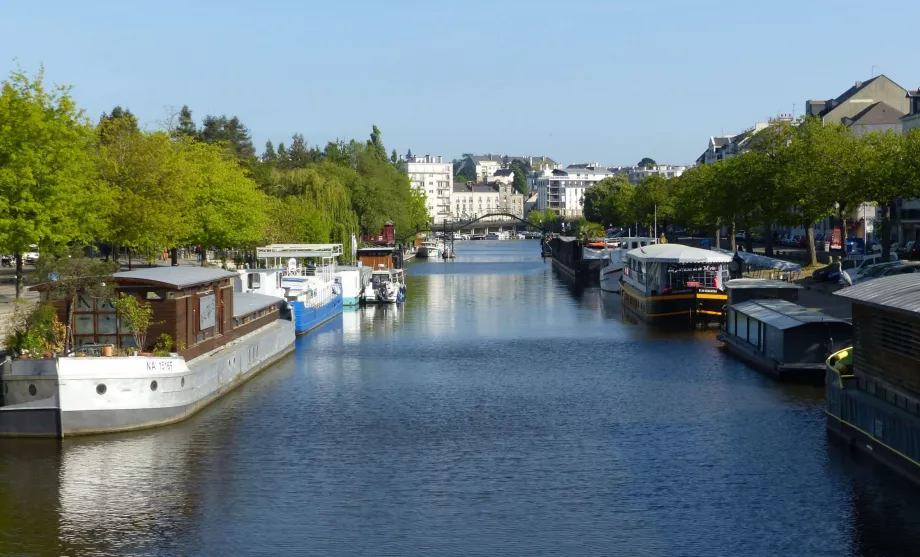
473	225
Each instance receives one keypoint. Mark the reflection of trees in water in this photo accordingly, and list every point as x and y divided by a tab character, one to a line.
29	497
885	515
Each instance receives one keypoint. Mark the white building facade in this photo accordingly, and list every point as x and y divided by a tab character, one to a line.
564	190
470	201
435	178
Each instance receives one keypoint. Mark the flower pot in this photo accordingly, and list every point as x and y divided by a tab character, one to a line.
48	355
147	354
107	350
24	356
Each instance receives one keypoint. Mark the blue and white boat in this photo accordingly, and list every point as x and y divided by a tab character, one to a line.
308	281
353	281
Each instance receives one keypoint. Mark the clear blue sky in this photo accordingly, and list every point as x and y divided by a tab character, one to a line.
578	80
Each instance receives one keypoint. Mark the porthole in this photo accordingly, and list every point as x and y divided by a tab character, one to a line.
100	388
153	385
32	390
182	383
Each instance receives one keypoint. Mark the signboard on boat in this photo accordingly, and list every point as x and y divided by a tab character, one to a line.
206	314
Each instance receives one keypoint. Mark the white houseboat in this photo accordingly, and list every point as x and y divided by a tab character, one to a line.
615	259
223	337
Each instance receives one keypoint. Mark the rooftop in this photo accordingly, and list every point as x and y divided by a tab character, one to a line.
900	292
782	314
678	253
245	303
746	283
876	114
173	277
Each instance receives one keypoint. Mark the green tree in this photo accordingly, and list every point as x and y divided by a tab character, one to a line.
231	133
151	182
651	198
647	162
375	144
186	126
48	192
545	220
269	154
228	208
608	202
521	170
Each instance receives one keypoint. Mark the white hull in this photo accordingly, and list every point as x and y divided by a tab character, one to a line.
69	398
610	278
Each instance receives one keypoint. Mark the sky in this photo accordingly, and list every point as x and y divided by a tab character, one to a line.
579	81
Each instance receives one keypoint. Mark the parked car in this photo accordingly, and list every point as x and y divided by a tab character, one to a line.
739	236
866	272
30	257
832	272
904	251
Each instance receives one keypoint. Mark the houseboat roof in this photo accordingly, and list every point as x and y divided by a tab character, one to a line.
178	277
299	250
677	253
245	303
901	292
753	283
782	314
376	251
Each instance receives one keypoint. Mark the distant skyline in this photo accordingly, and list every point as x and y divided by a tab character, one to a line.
579	81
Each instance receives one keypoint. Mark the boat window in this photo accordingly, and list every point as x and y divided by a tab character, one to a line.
741	321
653	276
754	332
155	294
684	276
255	280
731	321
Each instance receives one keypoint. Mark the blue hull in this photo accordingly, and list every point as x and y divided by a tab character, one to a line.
308	318
351	301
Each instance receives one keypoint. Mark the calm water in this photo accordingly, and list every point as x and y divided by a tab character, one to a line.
500	412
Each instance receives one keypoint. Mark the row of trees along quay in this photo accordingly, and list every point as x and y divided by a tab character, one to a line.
790	175
66	182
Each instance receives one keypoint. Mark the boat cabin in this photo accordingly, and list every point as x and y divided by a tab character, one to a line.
196	306
744	289
786	333
673	268
390	258
259	281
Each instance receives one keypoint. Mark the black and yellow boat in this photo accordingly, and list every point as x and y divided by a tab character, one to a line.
673	284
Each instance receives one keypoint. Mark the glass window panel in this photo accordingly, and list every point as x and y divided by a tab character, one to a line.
742	322
754	332
84	303
108	340
80	341
105	305
83	324
106	324
128	342
731	321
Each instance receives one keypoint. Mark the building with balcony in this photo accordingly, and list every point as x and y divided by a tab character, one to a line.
564	190
435	178
485	166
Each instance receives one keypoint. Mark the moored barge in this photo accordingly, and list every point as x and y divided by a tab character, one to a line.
873	388
222	337
672	284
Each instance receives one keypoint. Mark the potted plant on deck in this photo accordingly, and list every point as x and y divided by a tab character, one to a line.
136	317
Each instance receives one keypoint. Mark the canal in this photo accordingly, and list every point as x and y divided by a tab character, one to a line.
499	412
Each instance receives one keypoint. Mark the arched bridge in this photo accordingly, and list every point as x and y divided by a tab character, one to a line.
487	221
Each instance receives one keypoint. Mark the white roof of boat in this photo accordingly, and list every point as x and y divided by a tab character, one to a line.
761	283
299	250
782	314
678	253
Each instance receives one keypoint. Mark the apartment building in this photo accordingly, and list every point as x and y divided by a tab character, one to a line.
435	178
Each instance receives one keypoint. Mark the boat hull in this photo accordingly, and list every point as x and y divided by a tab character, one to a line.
680	309
610	278
307	318
352	301
68	401
793	373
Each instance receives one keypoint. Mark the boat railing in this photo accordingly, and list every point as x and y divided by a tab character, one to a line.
843	374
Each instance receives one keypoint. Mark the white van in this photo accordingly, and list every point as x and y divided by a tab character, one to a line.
862	262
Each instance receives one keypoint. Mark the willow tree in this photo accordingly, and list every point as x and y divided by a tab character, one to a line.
48	193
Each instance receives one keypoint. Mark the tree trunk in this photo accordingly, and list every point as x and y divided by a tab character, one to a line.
174	256
18	257
204	256
129	259
731	238
886	231
768	239
718	243
810	243
748	240
68	334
